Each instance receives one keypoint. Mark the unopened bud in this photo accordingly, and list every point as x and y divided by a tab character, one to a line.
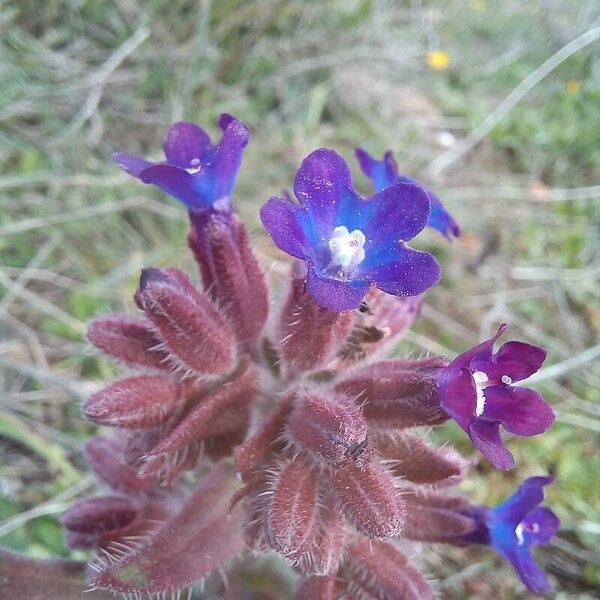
105	457
330	426
133	403
292	510
379	571
369	499
191	327
128	339
100	515
412	459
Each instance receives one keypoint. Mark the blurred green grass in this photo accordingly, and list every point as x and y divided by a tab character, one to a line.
79	79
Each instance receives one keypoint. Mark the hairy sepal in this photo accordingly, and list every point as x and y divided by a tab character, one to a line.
185	548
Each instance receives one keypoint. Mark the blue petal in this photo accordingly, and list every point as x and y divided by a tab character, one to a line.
383	173
333	294
133	165
187	146
285	223
177	183
529	495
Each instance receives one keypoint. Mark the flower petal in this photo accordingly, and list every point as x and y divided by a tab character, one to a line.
540	526
283	221
516	360
187	146
321	185
480	355
228	157
458	394
383	173
333	294
133	165
397	213
175	182
224	120
529	495
530	573
485	436
522	411
400	270
440	219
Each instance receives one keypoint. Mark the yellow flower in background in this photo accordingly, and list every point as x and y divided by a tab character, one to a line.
573	86
438	60
478	5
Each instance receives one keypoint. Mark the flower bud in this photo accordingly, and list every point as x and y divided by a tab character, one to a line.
249	455
292	510
412	459
317	588
379	571
330	426
396	394
100	515
128	339
230	272
310	334
191	327
369	499
133	403
104	456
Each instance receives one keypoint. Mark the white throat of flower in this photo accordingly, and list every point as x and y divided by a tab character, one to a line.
480	379
533	528
195	166
347	250
481	382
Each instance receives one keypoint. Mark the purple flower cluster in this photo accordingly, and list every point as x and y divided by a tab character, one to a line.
323	460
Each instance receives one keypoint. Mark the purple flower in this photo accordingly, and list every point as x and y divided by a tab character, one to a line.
196	171
384	173
476	391
516	525
348	242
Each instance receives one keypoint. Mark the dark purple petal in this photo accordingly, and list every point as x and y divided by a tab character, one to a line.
133	165
522	411
383	173
399	212
187	146
540	526
333	294
529	495
228	157
283	221
175	182
485	436
516	360
458	395
530	573
321	183
480	354
224	120
401	271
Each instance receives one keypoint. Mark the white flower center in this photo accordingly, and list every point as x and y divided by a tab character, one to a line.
480	379
347	249
534	528
195	166
506	379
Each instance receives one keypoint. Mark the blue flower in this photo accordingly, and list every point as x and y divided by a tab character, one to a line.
384	173
350	243
514	527
196	172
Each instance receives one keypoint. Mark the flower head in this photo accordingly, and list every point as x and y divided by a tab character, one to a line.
197	172
350	243
438	60
476	391
514	526
384	173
